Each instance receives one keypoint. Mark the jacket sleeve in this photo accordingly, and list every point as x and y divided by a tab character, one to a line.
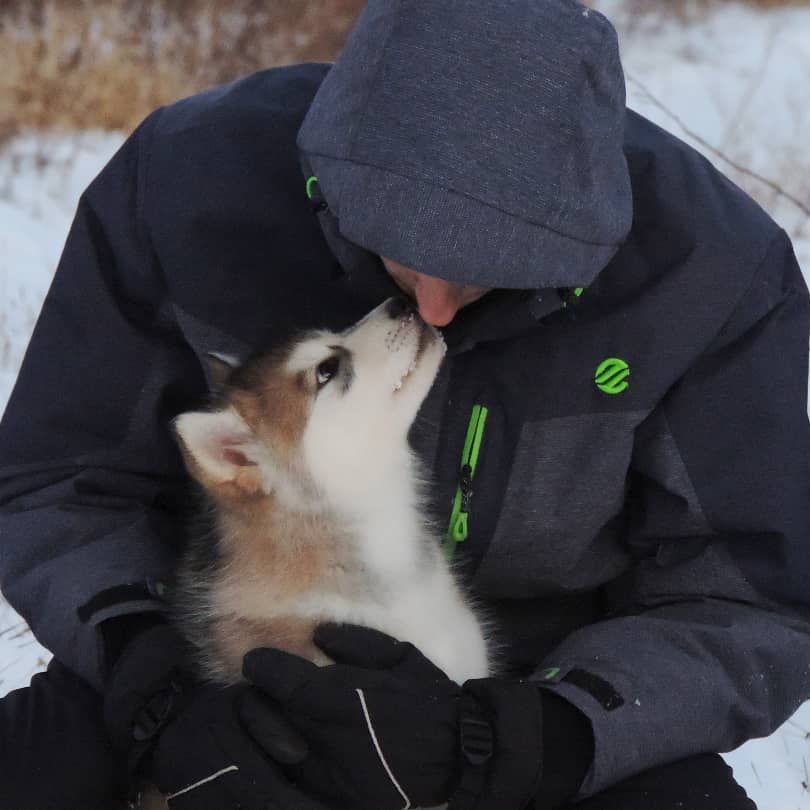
708	642
89	474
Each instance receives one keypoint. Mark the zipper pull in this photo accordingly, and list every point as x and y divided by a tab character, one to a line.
458	532
459	526
459	519
465	485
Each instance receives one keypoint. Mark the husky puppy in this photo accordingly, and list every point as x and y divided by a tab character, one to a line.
315	499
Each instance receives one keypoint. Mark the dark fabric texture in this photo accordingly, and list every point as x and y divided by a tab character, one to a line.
697	783
54	751
436	146
118	633
567	745
663	527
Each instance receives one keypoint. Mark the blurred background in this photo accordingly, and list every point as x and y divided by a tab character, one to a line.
730	78
104	64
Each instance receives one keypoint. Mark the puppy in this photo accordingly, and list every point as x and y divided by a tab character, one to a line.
314	503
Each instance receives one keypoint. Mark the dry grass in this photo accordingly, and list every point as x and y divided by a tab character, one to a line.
106	63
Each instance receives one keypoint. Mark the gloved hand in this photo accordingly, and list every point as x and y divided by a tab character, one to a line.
387	729
223	751
382	725
205	747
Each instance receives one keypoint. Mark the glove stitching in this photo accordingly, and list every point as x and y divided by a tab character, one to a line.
202	782
379	750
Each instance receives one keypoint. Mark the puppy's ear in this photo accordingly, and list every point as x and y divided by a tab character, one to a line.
220	451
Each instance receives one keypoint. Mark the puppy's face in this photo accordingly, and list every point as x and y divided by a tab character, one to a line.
330	414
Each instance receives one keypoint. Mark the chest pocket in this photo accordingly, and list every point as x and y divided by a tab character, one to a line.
558	525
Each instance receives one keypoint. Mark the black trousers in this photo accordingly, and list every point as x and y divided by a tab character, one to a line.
54	756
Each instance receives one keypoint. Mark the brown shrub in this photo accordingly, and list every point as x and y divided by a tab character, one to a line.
106	63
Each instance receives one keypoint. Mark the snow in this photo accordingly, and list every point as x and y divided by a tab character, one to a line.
731	79
736	77
20	653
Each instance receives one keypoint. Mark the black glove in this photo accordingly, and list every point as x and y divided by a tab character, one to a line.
380	737
387	729
205	747
54	751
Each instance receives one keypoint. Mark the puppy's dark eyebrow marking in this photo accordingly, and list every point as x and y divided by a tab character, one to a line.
346	371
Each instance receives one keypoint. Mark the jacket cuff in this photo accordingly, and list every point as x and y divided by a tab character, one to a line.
501	765
521	746
567	751
119	632
143	687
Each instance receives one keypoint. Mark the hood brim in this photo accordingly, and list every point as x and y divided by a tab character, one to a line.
449	235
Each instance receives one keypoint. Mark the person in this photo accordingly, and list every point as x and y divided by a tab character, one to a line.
634	518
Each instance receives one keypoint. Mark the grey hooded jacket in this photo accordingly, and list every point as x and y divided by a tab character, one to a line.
638	523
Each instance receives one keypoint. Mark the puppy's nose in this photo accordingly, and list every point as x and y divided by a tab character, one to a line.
399	307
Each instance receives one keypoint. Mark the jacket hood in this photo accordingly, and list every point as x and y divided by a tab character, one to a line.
477	141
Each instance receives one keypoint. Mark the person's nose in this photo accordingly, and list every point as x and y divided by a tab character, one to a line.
437	300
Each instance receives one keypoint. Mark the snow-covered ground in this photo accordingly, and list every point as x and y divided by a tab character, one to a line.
732	80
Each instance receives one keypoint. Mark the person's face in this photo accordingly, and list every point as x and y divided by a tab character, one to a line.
437	300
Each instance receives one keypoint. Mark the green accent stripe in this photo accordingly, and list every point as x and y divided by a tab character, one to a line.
458	527
478	435
310	183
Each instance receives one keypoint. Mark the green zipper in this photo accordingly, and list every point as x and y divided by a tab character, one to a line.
458	528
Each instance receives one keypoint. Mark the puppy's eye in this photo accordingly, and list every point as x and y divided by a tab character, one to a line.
326	370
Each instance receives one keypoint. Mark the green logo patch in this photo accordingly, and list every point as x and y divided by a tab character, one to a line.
611	375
